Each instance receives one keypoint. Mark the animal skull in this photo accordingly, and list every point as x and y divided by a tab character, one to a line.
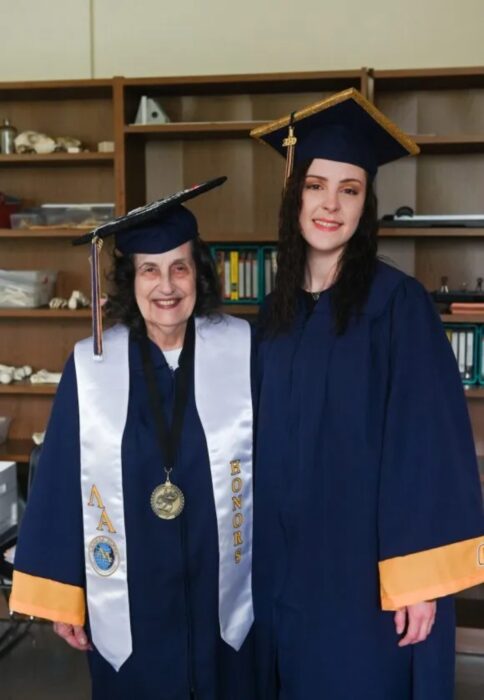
33	142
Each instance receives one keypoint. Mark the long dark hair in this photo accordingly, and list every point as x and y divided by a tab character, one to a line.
121	306
355	271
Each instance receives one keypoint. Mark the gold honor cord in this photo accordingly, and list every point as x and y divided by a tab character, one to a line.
289	143
97	323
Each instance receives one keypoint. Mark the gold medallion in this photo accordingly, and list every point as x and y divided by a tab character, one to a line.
167	500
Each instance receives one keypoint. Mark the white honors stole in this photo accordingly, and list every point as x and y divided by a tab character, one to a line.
224	403
103	392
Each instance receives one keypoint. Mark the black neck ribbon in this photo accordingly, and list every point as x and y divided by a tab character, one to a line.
169	436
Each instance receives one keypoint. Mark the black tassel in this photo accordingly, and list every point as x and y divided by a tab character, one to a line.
97	322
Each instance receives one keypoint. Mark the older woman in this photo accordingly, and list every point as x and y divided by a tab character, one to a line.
142	500
368	506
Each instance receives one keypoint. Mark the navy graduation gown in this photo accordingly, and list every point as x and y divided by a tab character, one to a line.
367	499
178	653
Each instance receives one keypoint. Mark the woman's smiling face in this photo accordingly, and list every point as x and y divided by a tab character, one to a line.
333	198
165	286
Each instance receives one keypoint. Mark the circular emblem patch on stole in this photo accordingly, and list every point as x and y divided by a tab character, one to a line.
104	555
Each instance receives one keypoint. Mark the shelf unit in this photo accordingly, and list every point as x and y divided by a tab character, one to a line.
211	117
41	337
443	108
208	135
445	179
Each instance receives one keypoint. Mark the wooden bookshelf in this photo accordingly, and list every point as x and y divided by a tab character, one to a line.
208	135
211	117
443	107
43	338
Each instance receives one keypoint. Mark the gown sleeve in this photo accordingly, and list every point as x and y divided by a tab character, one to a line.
430	519
49	575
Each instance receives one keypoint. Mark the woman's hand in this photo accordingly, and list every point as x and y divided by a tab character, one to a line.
74	635
421	618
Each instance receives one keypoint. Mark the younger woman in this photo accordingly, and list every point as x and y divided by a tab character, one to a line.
368	506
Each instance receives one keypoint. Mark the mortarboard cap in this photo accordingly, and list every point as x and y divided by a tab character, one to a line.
155	228
345	127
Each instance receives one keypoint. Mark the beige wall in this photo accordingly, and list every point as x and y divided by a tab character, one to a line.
100	38
42	39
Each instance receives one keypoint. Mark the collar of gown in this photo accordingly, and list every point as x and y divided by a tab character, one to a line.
135	356
321	306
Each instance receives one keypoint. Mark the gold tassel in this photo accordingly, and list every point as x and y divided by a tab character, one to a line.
289	143
97	321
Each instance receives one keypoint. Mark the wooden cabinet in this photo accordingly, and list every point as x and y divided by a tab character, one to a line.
444	110
41	337
207	136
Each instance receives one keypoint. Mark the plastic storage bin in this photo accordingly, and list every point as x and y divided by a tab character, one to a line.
88	215
4	426
26	219
58	216
24	289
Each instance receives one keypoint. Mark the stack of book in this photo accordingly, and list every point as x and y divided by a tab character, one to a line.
467	341
239	272
247	273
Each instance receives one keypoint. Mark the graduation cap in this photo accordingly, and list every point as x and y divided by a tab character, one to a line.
155	228
344	127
